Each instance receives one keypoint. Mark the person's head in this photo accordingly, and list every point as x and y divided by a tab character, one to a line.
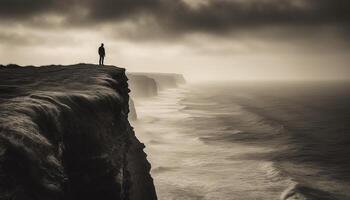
101	44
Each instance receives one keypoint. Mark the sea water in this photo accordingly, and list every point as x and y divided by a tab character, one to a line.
248	140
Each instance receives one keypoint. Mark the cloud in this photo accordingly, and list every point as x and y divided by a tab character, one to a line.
14	39
20	9
156	17
225	15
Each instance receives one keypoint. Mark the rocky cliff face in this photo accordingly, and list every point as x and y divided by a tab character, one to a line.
162	80
145	85
142	86
132	112
65	134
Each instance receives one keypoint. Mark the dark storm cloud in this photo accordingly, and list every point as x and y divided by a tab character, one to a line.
178	16
24	8
106	10
97	10
228	15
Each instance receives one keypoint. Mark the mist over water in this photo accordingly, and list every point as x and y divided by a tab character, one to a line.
248	140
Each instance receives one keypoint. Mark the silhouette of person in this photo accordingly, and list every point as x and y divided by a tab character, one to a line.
102	53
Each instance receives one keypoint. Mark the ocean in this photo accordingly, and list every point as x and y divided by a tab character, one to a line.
249	140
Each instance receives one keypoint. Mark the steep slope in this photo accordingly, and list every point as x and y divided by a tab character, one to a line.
64	134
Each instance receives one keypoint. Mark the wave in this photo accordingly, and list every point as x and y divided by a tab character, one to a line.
300	192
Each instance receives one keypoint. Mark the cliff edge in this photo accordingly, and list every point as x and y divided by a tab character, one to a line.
65	134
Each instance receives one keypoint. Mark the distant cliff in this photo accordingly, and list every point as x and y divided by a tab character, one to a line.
132	112
162	80
145	85
65	134
142	86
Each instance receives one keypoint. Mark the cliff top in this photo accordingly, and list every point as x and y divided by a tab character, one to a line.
16	81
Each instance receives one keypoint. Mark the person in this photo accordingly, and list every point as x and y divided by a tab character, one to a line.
102	53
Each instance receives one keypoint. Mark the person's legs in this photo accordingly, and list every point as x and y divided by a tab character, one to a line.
103	59
100	61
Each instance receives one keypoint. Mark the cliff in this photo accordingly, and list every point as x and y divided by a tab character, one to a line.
65	134
132	112
161	80
142	86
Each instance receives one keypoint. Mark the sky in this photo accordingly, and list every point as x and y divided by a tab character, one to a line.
202	39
